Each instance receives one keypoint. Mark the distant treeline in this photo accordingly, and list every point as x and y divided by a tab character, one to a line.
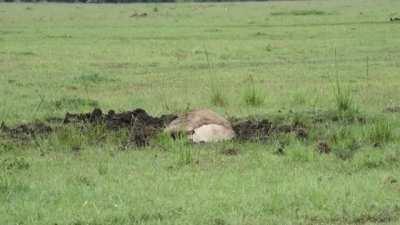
125	1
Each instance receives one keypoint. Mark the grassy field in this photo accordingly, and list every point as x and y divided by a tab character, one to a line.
286	59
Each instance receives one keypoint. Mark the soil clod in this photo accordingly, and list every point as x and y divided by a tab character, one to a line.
393	19
135	14
113	120
323	147
25	131
230	151
142	127
254	129
392	109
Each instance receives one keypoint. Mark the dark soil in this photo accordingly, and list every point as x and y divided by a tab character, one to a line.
393	19
113	120
135	14
253	129
230	151
24	131
142	127
323	147
393	109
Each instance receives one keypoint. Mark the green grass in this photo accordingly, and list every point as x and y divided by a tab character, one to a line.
252	95
58	58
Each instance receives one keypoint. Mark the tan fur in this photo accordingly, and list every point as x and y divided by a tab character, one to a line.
191	121
211	133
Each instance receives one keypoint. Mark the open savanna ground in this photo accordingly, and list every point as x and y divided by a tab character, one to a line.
323	74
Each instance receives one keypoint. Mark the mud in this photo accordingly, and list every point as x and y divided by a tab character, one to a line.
253	129
323	147
142	127
393	109
230	151
24	131
135	14
112	120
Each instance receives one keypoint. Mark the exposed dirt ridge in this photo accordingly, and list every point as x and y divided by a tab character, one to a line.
142	126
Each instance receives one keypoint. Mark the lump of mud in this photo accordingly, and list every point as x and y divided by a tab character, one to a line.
230	151
113	120
253	129
395	19
323	147
142	127
24	131
135	14
393	109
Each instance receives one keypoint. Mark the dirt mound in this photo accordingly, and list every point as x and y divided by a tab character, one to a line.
142	127
230	151
253	129
24	131
323	147
113	120
135	14
392	109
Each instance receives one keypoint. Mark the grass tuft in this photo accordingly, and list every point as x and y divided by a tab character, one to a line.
380	133
251	95
93	78
343	98
73	103
218	98
346	108
184	153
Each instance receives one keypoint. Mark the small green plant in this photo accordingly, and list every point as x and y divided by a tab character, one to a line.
164	141
178	145
346	108
93	78
345	143
299	99
102	169
7	147
343	98
217	97
14	163
345	149
72	103
298	152
183	152
369	159
380	132
251	95
68	139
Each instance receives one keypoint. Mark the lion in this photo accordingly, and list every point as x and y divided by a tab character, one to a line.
202	125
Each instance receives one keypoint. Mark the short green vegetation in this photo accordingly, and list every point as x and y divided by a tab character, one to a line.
326	71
